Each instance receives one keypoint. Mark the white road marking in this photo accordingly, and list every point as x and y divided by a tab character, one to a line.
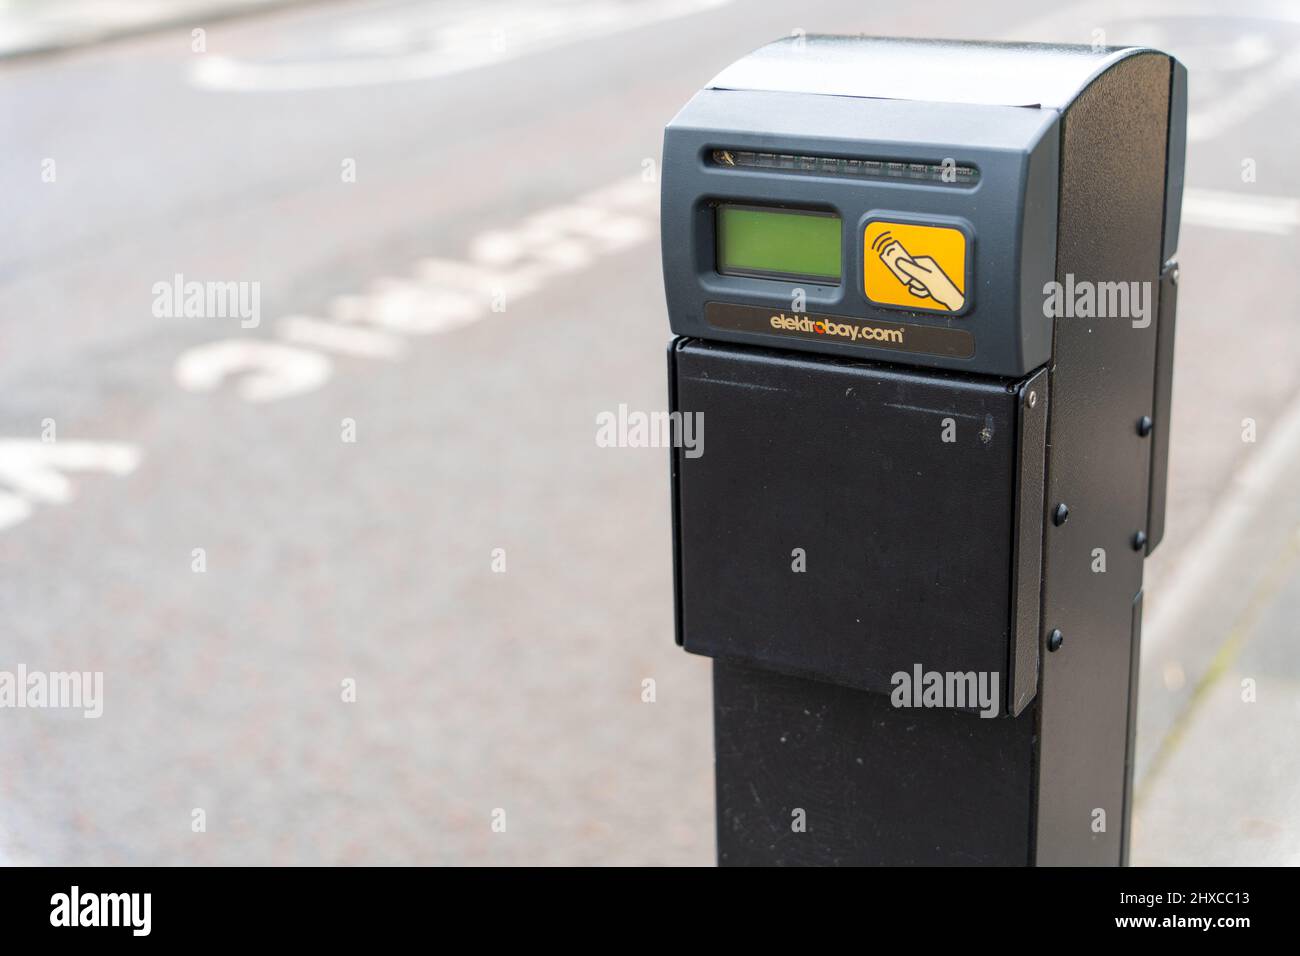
33	471
439	295
35	468
1275	215
270	371
449	39
14	509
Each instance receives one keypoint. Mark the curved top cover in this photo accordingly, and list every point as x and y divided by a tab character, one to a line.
944	71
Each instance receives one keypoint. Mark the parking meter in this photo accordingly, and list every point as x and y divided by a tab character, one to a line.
923	297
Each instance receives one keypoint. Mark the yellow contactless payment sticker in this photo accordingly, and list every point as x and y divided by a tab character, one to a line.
910	266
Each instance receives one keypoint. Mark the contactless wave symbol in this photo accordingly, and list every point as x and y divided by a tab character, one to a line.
921	274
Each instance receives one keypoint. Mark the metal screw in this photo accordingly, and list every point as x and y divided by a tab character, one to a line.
1032	399
1139	540
1144	425
1060	515
1055	640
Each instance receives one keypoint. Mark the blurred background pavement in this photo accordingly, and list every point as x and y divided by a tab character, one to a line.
450	212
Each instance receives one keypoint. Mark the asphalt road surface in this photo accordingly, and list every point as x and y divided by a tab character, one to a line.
361	584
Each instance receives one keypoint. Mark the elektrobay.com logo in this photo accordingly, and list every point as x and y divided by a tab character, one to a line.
844	330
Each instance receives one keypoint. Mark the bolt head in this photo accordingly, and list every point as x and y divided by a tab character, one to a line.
1032	399
1144	425
1055	640
1139	540
1060	514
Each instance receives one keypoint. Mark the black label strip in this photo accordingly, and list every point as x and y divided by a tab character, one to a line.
842	329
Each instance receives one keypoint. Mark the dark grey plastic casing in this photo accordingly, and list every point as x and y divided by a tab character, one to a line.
997	107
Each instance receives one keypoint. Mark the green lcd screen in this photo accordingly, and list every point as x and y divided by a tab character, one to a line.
779	243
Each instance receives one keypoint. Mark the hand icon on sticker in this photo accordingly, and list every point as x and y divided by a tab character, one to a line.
922	275
896	275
